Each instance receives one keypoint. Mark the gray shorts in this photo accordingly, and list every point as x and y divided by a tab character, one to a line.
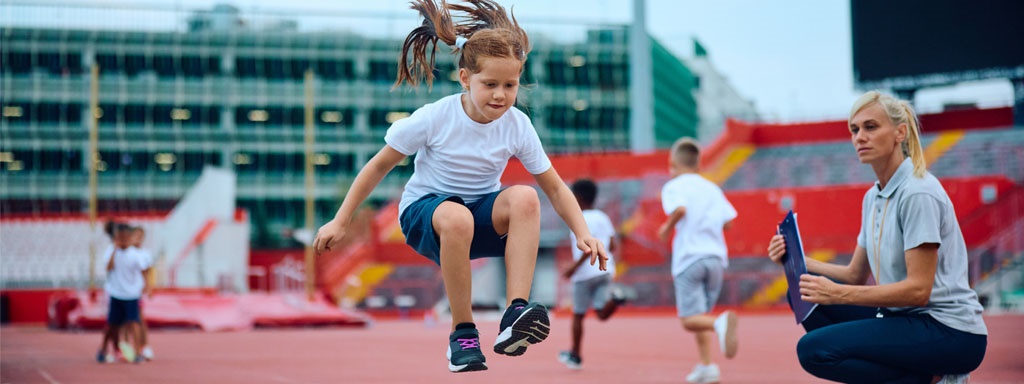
590	292
698	286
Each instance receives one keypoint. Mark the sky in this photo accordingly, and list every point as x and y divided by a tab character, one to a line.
793	58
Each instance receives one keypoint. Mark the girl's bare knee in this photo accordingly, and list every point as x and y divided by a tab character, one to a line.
523	199
453	219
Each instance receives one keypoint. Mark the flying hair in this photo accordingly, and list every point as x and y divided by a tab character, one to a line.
437	25
485	15
487	29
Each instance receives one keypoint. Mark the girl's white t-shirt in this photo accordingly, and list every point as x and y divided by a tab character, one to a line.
460	157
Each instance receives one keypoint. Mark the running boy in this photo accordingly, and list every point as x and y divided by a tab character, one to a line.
698	211
591	286
454	208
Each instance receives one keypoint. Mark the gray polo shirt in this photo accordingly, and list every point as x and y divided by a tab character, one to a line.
908	212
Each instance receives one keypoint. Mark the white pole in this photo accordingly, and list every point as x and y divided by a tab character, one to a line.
641	91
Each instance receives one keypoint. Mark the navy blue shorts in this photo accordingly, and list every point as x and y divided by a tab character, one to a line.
417	226
123	311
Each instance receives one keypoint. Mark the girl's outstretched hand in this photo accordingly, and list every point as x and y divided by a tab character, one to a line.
328	236
592	247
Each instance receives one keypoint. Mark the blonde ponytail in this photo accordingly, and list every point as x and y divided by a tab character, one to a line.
912	146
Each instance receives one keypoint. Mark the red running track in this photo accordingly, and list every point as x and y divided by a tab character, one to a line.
628	349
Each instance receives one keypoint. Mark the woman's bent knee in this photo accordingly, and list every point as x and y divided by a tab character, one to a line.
813	352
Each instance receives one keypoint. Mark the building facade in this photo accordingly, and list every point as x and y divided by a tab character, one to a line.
717	99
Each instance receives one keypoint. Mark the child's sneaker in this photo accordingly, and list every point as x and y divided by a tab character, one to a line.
704	374
147	352
570	359
621	294
725	327
101	357
521	325
618	296
127	351
464	353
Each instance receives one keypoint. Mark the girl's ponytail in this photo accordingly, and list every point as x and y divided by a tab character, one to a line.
483	30
437	25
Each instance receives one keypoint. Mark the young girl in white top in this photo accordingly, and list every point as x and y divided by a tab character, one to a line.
454	208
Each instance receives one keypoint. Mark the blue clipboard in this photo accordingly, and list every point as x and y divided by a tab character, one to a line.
794	264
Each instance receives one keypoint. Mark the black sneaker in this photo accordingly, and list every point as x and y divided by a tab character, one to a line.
570	359
464	353
522	325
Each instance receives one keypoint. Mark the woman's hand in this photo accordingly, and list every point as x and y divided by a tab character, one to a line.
821	290
777	249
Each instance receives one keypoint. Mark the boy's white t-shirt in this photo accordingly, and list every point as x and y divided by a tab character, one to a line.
601	228
460	157
125	281
699	232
